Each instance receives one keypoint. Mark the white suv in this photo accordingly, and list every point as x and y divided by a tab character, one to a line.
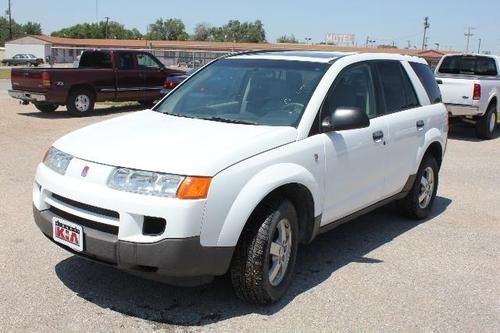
249	157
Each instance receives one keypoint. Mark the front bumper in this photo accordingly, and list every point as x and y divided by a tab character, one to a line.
176	261
28	96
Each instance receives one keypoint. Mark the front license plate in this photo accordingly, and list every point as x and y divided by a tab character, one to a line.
67	233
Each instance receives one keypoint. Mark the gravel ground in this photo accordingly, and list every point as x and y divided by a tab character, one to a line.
378	273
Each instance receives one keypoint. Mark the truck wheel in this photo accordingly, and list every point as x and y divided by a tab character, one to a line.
486	125
264	259
418	203
46	108
80	102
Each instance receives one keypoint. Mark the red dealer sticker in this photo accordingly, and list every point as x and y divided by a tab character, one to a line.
67	233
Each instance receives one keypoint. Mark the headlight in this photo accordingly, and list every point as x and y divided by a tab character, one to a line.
145	182
159	184
57	160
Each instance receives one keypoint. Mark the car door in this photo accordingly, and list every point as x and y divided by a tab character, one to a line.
355	159
154	76
129	78
405	120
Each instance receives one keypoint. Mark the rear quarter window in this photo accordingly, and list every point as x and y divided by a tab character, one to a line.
428	80
96	60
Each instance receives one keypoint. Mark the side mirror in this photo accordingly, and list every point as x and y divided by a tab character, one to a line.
345	119
438	81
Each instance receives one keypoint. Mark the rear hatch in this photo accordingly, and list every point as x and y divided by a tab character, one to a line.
30	79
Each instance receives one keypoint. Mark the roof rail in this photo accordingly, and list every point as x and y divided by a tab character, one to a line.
257	52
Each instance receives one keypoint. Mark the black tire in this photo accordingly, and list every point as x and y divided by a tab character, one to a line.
486	125
411	206
75	103
251	263
147	104
47	108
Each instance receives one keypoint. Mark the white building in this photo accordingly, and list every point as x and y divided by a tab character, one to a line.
31	45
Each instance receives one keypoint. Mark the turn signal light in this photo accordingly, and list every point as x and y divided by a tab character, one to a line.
194	188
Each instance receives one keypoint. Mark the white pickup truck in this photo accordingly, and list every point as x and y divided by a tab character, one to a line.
470	85
245	159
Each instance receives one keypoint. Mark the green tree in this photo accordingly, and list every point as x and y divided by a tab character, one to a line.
170	29
201	32
113	30
18	30
287	39
235	31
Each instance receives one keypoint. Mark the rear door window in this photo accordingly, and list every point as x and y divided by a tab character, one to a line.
468	65
397	88
428	80
126	60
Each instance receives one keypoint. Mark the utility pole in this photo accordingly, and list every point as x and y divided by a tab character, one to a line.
107	22
468	34
409	44
10	19
97	11
427	25
479	46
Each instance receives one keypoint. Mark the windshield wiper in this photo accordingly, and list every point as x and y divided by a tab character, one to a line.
232	121
177	115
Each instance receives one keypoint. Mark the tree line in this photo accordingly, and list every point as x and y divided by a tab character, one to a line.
170	29
18	30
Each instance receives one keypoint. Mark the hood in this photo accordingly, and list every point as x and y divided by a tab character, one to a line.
153	141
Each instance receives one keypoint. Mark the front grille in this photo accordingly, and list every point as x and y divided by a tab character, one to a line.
89	208
110	229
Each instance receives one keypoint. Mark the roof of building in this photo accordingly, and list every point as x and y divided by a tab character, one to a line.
205	45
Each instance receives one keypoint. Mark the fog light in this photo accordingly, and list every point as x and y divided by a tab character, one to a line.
153	226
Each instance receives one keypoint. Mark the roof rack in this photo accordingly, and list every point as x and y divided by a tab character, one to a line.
257	52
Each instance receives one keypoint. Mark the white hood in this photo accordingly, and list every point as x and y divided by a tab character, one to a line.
152	141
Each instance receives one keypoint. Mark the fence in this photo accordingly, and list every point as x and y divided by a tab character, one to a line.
169	57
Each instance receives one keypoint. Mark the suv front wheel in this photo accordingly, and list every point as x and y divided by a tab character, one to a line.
264	260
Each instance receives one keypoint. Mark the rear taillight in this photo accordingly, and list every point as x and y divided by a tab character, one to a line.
169	84
477	92
45	79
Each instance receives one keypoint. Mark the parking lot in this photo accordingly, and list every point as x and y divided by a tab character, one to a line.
378	273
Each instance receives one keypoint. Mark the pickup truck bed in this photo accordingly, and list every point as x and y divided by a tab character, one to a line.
101	76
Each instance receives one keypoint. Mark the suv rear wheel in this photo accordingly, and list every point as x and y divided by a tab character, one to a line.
485	125
418	203
264	260
80	102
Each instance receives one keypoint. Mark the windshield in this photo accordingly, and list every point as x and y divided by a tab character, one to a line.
247	91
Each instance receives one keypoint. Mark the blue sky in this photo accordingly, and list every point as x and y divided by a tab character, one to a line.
383	20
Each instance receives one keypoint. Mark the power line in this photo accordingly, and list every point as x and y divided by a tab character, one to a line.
468	34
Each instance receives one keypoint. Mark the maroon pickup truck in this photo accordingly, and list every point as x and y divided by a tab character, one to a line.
101	76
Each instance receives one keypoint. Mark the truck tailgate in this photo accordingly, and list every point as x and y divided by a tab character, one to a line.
457	90
27	79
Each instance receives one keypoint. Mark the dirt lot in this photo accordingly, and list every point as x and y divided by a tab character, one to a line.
378	273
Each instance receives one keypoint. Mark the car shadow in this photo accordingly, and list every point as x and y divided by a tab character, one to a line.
168	305
467	132
98	112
